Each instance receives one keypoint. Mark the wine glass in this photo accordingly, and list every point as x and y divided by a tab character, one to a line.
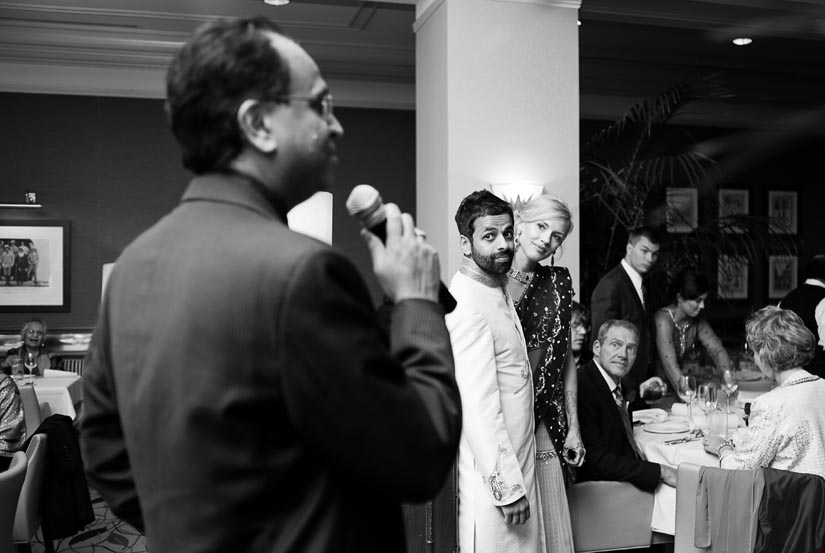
730	387
687	391
706	394
30	361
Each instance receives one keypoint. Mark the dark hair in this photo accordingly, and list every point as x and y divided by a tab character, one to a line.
580	311
815	268
224	63
647	232
620	323
480	203
690	284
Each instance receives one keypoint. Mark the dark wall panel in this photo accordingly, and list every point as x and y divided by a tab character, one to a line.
111	167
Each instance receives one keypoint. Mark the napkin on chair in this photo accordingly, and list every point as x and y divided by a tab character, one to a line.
701	420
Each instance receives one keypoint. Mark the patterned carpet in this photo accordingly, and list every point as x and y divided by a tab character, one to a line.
107	534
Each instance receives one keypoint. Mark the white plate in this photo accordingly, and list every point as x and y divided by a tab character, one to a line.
670	427
647	416
748	376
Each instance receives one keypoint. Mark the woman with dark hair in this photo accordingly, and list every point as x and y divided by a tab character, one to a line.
679	327
786	425
580	334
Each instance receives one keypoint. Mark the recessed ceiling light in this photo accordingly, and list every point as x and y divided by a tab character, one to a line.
742	41
276	2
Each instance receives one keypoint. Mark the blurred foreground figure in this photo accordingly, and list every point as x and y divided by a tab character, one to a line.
240	393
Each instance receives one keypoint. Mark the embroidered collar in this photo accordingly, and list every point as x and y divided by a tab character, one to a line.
470	269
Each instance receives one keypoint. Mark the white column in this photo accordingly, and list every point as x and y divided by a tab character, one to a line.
497	99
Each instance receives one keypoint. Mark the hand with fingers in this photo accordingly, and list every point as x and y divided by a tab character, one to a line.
517	512
406	266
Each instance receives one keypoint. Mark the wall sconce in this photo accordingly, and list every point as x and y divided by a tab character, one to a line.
30	202
517	193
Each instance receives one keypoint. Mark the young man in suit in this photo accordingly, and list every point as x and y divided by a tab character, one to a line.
240	392
604	419
620	294
808	301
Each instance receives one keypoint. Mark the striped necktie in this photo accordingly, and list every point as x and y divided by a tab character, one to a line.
628	428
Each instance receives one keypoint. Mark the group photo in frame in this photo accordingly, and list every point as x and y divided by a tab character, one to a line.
782	211
34	265
782	275
682	209
731	204
732	278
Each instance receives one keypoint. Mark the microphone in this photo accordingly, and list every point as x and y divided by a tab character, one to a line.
365	204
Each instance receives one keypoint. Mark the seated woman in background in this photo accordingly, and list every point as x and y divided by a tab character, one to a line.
787	425
580	334
678	327
12	422
32	355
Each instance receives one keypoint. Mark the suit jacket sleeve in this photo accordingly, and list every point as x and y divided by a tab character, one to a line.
484	426
602	461
384	412
104	448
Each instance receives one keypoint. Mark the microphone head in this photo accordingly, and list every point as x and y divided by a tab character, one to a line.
365	204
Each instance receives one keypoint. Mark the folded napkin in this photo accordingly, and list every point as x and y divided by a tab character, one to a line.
700	419
52	372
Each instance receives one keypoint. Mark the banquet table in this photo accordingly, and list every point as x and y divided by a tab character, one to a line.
653	447
63	394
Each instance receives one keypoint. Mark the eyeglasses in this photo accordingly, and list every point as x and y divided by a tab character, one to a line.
322	105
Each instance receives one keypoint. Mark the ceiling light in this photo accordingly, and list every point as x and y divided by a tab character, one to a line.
276	2
742	41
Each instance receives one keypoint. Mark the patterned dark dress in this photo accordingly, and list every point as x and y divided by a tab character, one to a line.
544	311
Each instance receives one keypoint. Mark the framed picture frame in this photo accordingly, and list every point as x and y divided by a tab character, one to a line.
35	266
782	210
732	278
782	275
731	204
682	209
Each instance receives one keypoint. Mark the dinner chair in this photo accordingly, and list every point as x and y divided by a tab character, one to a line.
27	518
11	482
31	408
609	516
687	481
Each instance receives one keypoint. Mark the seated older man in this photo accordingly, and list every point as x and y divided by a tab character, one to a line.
605	424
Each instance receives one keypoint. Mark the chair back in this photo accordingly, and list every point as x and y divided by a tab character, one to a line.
31	408
609	516
27	518
11	481
687	481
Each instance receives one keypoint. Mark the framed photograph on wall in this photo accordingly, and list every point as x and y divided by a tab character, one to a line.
682	209
782	210
34	265
732	203
782	275
732	278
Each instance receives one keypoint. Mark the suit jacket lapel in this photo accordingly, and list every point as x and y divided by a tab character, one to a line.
606	396
628	282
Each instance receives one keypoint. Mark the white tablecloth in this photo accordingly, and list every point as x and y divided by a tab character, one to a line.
62	394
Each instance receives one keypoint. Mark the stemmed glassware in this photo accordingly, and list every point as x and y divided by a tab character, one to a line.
30	361
687	391
707	397
730	386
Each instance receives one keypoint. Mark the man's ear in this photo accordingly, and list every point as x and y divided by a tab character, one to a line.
597	347
256	126
466	246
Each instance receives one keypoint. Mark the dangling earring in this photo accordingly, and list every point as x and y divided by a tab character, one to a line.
515	240
552	260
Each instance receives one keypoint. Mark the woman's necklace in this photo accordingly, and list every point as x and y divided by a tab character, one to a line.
682	330
524	277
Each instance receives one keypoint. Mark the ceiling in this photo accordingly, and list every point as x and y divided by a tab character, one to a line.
628	49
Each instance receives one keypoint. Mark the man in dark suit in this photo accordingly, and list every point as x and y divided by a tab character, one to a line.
808	301
620	294
240	393
605	424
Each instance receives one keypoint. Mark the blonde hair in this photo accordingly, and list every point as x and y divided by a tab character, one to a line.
780	338
545	206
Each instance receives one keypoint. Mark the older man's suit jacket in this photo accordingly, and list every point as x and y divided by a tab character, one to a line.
615	298
241	396
610	456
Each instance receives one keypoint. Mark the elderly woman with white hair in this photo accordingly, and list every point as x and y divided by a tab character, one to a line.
786	425
32	356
